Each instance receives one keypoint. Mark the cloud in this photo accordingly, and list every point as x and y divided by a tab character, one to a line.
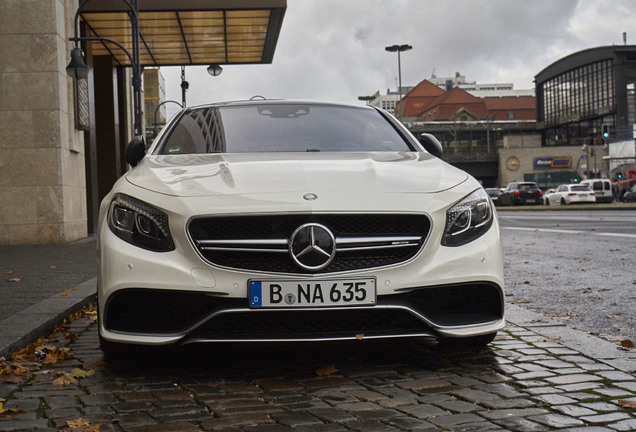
334	50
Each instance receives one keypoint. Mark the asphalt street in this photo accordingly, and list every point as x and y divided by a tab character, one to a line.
574	266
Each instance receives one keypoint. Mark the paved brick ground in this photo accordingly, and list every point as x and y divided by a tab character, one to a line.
524	382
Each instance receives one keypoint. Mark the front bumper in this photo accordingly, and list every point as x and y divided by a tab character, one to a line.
178	298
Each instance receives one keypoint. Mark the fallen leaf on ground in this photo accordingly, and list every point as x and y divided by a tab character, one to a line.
11	378
81	373
64	293
81	425
520	301
4	410
50	354
14	279
52	267
627	343
326	371
64	380
627	403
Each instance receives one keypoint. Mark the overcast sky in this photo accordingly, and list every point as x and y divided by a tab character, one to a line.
333	50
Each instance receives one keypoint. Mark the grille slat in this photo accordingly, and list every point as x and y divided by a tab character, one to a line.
260	243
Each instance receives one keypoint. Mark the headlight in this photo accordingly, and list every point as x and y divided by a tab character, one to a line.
139	223
468	219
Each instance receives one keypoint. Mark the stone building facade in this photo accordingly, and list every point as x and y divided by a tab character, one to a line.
42	181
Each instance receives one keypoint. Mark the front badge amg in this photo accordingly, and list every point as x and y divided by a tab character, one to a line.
312	246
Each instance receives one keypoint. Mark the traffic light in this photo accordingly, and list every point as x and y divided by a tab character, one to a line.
605	130
619	175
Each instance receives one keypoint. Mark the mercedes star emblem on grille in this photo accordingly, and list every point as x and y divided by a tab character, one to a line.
312	246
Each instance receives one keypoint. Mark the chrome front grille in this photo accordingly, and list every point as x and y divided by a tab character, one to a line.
262	243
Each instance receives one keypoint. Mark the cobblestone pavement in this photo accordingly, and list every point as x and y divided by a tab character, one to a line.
523	382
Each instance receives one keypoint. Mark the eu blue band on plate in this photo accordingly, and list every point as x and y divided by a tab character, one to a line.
256	299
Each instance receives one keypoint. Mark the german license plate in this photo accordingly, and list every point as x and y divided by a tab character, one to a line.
312	293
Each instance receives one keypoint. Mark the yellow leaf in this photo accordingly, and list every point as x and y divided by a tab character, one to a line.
81	373
51	358
81	425
64	380
73	288
17	279
326	371
64	293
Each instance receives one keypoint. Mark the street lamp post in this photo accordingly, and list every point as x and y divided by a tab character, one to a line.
154	118
184	87
399	49
78	69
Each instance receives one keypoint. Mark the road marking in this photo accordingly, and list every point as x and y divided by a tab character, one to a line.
616	235
544	230
548	230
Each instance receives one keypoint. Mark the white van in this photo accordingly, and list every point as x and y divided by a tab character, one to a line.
602	189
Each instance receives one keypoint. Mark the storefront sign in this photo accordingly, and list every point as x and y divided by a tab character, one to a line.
558	162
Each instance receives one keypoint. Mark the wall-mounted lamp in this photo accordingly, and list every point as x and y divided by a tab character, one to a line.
77	68
215	70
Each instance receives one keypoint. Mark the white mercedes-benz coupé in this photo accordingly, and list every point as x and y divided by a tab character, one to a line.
284	221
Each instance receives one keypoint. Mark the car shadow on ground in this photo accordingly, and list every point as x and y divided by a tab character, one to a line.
265	360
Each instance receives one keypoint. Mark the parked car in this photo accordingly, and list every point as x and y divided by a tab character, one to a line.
520	193
545	195
571	194
263	221
630	195
602	189
494	193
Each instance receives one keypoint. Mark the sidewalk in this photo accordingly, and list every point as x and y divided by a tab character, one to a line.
41	285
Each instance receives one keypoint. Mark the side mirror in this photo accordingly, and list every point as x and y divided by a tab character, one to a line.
135	151
431	144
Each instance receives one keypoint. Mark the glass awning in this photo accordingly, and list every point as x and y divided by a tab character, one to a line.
187	32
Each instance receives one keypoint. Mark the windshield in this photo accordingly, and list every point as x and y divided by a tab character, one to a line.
282	128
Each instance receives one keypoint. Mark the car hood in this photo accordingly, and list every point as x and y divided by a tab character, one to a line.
261	173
